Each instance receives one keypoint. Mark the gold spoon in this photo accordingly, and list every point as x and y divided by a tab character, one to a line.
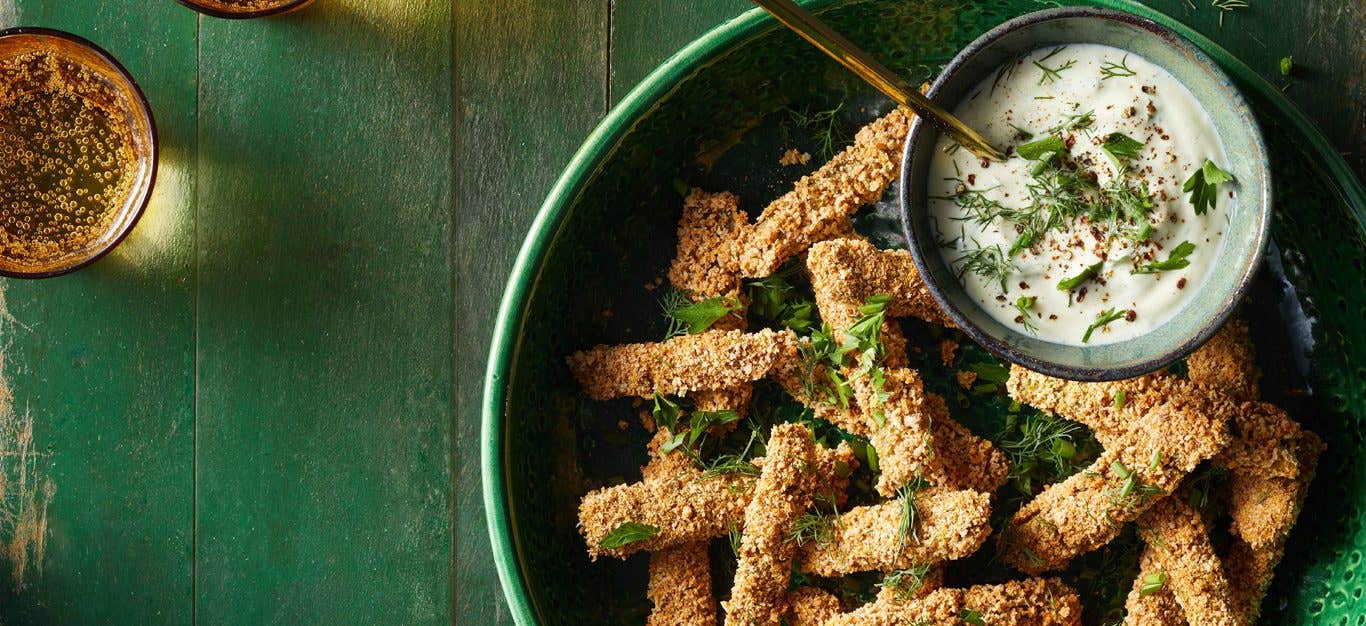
834	44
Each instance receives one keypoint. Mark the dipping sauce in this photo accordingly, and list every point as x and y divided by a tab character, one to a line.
1109	209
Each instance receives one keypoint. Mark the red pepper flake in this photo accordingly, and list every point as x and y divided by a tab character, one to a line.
1131	315
1181	284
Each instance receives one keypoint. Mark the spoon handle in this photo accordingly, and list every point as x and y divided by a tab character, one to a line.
876	74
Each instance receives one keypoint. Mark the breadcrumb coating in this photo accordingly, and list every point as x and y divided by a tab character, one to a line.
948	525
682	365
811	606
848	272
1154	609
686	508
1266	436
1250	568
903	443
680	587
1089	509
1227	362
966	460
820	204
782	493
707	262
1178	541
1030	602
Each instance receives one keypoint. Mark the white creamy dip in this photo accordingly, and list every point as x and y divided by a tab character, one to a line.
1032	224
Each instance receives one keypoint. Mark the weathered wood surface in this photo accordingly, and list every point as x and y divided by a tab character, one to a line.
264	406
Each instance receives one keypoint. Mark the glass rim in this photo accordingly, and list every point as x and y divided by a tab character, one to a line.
214	11
139	102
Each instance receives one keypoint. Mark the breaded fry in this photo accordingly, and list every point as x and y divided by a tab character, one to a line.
903	442
1031	602
810	606
1227	362
1250	569
1089	509
707	262
784	490
686	508
1179	545
948	525
1266	436
680	587
966	460
1155	609
819	205
682	365
848	272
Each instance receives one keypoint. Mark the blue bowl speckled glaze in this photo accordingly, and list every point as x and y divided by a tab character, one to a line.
1240	252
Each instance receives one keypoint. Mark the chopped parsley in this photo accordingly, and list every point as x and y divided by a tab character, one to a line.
1287	65
1202	186
1153	583
970	616
1119	146
626	534
691	319
1175	261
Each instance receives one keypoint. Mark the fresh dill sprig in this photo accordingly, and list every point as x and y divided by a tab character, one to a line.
1075	121
1006	71
1110	69
975	204
906	528
812	528
989	262
906	582
1043	449
1051	74
1105	317
824	127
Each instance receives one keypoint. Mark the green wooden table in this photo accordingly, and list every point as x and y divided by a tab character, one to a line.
263	407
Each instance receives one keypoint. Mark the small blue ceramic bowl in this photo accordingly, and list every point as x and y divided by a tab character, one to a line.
1240	252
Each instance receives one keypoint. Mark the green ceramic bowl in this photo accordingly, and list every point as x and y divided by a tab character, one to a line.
1240	251
716	115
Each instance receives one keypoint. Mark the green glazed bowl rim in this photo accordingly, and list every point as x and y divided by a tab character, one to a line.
505	348
1214	301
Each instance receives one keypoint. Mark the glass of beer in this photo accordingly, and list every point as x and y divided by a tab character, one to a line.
78	152
245	9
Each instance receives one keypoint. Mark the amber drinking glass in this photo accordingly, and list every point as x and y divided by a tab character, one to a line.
78	152
245	9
